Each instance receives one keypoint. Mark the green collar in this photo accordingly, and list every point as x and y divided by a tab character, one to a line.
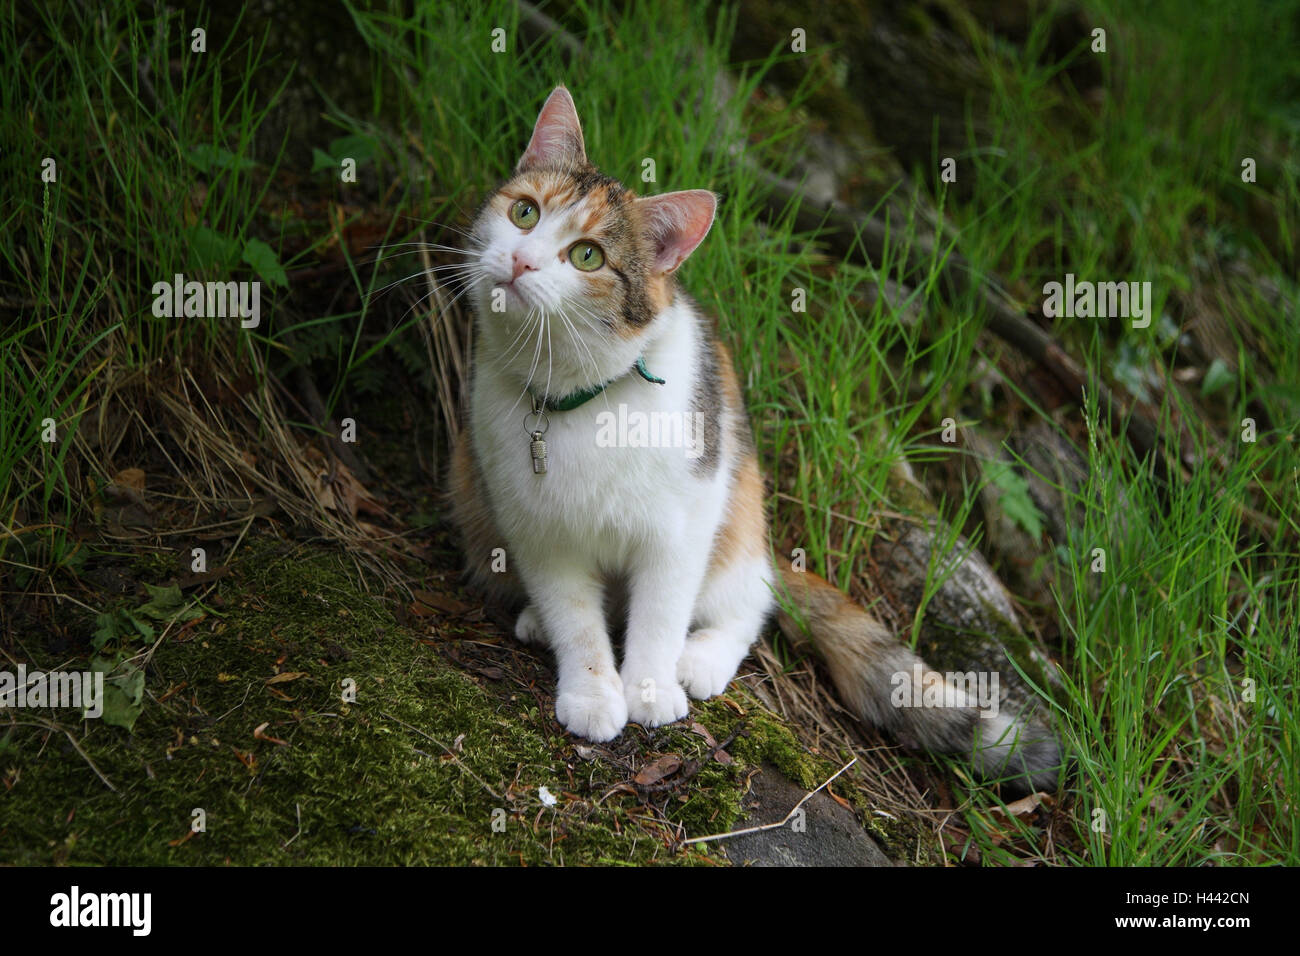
581	397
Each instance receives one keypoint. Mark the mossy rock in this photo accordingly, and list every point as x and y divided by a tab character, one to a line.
439	760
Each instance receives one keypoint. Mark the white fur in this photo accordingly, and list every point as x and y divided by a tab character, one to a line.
637	515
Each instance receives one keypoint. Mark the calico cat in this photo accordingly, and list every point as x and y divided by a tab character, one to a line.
581	324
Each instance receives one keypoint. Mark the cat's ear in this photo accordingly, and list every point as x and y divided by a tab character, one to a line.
557	136
677	223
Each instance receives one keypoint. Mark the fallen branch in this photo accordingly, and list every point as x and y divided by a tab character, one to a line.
447	750
780	823
51	725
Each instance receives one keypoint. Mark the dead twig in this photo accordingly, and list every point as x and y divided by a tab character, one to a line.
51	725
780	823
445	749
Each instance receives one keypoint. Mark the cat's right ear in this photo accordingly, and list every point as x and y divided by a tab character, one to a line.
557	137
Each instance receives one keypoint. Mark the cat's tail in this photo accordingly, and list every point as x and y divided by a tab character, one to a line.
892	689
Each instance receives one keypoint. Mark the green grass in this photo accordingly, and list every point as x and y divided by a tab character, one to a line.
1178	662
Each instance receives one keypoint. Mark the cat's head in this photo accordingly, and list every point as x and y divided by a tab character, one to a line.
562	240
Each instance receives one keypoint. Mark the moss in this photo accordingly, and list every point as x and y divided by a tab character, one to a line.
414	771
153	565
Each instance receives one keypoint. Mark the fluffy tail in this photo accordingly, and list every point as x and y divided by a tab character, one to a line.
892	689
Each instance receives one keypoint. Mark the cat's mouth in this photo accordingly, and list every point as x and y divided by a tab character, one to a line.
515	291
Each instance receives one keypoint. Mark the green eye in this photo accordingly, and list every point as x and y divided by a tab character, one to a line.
586	256
524	214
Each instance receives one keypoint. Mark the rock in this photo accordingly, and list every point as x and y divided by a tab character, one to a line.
831	835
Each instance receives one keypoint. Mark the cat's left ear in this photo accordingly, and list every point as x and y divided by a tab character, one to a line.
557	135
677	223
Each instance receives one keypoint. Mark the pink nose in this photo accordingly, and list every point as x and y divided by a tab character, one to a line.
521	263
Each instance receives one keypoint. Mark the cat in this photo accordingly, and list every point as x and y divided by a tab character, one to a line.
580	324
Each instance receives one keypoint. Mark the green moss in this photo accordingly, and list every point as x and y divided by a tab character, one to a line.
152	565
364	782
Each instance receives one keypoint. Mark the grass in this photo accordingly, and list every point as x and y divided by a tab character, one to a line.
1177	663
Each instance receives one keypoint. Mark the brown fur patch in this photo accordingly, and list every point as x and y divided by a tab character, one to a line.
744	530
472	514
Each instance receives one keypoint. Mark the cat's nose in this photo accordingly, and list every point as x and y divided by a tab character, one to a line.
521	263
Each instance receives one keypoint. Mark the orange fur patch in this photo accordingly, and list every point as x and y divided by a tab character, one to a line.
744	531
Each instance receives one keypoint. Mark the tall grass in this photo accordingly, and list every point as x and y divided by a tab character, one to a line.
1179	661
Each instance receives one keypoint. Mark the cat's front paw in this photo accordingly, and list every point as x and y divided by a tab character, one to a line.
706	666
653	702
595	709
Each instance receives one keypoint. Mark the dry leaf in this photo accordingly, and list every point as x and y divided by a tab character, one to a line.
703	732
652	773
285	677
130	478
1026	805
840	800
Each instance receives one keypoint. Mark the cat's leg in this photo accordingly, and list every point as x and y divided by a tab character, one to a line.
736	596
568	604
661	591
729	616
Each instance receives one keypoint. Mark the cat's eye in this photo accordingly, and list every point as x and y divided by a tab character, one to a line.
524	213
586	256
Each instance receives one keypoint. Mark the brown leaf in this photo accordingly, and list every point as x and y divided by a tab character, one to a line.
130	478
285	677
703	732
840	800
1026	805
651	773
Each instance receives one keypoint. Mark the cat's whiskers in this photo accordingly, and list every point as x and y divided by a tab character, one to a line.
595	378
537	354
439	226
525	326
437	288
431	247
459	271
550	356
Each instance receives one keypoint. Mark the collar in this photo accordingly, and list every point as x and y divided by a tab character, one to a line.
574	399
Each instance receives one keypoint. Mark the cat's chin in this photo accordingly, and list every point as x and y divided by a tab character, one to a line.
517	300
